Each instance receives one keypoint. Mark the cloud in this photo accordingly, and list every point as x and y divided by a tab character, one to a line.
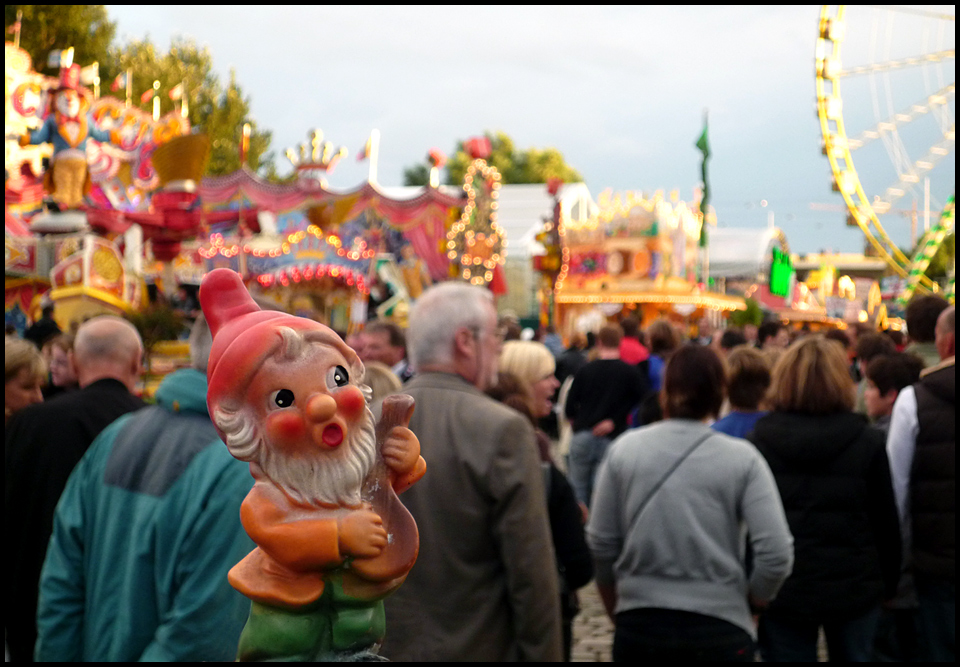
619	90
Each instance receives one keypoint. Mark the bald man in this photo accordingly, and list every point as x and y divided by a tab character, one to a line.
43	444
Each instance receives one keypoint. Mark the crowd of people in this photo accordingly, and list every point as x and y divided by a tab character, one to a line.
731	495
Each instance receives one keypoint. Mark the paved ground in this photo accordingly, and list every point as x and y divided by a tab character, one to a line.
592	630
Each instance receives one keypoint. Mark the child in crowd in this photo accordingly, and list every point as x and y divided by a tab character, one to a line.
886	376
748	374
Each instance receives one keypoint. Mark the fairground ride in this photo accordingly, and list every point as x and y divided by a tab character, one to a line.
906	55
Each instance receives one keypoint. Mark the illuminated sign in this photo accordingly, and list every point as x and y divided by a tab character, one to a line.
781	272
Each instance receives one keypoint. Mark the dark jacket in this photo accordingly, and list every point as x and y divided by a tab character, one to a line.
933	477
569	542
41	331
605	389
834	480
44	442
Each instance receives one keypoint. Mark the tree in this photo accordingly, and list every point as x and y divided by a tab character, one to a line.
753	314
155	323
943	259
49	27
418	174
515	166
217	111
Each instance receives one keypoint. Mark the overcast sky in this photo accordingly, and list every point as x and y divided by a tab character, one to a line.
620	91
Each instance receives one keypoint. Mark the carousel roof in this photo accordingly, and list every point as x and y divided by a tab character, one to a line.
278	197
520	213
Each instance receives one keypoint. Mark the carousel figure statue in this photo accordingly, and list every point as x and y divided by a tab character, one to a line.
68	126
332	538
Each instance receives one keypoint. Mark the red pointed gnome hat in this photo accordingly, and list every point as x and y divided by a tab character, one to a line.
244	336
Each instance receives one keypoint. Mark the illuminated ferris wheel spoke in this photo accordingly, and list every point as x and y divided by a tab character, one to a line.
920	168
889	65
898	120
915	11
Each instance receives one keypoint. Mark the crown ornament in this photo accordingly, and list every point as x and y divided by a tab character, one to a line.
317	156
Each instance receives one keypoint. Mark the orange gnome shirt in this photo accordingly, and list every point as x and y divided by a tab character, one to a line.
299	544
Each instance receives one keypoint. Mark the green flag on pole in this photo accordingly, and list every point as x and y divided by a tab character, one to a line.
704	148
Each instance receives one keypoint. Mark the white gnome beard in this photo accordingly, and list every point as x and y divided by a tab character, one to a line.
332	477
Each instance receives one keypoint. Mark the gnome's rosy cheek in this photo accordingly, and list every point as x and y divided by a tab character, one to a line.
286	429
350	402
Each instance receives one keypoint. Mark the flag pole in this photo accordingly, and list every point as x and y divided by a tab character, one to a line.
129	83
374	154
18	25
156	101
704	146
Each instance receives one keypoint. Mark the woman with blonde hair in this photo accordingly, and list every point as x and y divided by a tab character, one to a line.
23	377
834	478
525	382
533	363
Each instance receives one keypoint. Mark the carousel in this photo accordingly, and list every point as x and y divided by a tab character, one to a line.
123	211
69	154
343	257
638	255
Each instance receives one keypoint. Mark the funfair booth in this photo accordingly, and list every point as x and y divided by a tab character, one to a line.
756	262
638	255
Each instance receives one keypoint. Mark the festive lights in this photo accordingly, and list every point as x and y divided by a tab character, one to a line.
717	303
218	247
307	273
475	241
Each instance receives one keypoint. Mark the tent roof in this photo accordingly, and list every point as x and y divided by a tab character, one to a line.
740	252
521	210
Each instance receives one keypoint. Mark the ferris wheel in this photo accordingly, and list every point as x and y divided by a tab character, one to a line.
897	67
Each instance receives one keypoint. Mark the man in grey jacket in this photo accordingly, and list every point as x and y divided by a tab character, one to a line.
484	587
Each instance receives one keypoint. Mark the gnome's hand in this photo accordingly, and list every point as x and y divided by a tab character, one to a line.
401	450
361	534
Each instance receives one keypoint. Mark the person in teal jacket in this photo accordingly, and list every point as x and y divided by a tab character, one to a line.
144	534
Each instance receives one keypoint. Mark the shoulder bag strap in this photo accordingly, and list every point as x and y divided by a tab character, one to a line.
666	476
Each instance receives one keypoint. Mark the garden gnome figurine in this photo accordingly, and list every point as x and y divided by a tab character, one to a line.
68	127
333	539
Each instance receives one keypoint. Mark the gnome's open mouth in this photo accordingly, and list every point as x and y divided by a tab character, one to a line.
332	435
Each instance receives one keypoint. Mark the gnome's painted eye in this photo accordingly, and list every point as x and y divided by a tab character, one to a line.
337	377
282	398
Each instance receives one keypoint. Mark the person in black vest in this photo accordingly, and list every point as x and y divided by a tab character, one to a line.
834	479
43	444
922	450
